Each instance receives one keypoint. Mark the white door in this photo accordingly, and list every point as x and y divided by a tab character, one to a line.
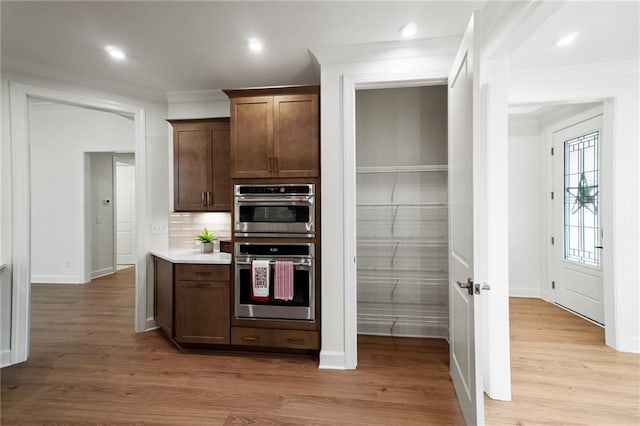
125	213
577	235
463	315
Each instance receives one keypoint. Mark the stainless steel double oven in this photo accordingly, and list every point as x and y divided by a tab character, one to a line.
275	222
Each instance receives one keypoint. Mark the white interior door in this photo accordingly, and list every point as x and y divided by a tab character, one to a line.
463	315
577	240
125	213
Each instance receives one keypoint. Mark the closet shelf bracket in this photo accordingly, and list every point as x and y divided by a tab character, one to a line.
393	290
395	250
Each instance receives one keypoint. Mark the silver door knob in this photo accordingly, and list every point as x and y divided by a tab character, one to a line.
468	285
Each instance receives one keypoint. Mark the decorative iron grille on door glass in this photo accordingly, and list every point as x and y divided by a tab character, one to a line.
402	238
581	199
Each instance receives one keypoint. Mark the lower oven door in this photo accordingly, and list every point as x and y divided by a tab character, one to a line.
302	307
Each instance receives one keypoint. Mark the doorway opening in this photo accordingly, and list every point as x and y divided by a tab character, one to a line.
555	240
74	206
22	209
401	211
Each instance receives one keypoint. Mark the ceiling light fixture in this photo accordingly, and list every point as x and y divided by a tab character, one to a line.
115	53
566	40
409	30
255	45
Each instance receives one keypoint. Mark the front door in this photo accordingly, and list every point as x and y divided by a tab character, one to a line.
463	315
576	270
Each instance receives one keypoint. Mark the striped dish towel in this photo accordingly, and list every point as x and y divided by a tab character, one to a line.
283	286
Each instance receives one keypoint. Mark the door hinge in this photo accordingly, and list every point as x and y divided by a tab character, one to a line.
552	195
553	285
551	150
553	240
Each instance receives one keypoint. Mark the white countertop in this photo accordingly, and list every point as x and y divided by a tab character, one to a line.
192	256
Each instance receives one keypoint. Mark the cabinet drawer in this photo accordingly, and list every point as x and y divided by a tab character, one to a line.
196	272
293	339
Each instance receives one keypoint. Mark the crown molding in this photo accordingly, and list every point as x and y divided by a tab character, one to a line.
51	72
211	95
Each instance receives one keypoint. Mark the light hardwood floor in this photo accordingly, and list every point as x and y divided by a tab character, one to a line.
562	372
88	366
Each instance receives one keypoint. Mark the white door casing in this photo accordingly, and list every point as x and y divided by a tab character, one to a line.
464	318
578	283
125	213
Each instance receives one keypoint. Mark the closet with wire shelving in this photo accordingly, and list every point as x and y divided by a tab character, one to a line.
402	211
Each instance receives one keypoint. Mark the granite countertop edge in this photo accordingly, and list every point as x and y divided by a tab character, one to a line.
192	256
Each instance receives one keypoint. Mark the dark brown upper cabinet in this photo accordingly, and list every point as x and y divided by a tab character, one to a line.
275	132
201	175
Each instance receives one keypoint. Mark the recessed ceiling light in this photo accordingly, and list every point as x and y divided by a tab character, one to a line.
566	40
255	45
409	30
115	53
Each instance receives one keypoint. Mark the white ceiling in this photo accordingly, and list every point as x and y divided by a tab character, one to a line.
183	46
175	46
608	31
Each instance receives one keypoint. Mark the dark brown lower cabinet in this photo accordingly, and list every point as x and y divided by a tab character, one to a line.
202	304
202	312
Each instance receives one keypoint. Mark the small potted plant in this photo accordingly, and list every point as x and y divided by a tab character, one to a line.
206	239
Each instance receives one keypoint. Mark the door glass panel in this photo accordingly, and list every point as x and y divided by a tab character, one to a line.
581	199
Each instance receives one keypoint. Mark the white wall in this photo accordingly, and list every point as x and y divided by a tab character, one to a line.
526	209
60	135
399	126
155	166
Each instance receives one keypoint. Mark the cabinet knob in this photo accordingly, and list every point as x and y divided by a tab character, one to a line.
251	338
204	199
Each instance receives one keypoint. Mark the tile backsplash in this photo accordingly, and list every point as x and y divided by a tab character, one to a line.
183	228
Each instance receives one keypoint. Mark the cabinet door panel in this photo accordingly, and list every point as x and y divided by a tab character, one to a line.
252	137
192	167
221	187
163	295
296	135
202	312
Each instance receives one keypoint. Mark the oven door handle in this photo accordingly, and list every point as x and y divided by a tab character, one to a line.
278	200
307	263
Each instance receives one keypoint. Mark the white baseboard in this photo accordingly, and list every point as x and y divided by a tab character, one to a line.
150	324
56	279
525	292
102	272
5	358
332	360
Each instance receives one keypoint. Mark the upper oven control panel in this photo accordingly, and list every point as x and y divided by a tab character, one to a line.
285	189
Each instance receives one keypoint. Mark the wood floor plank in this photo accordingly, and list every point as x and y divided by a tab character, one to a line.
87	366
563	373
